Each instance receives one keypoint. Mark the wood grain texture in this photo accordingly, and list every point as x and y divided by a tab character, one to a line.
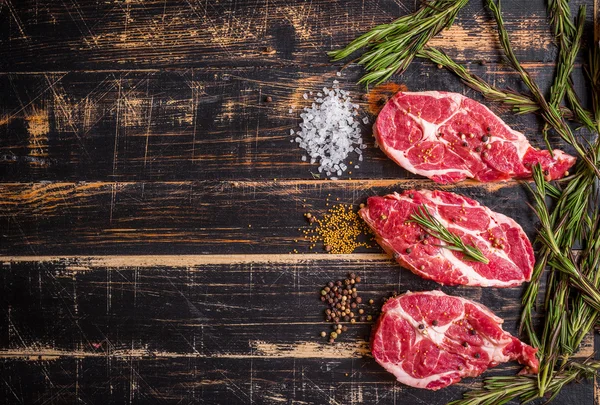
196	124
149	199
153	331
196	217
90	35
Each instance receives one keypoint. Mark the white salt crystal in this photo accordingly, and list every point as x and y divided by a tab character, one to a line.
338	73
365	120
330	130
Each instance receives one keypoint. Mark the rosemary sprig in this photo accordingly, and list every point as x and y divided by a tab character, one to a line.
560	258
549	112
593	73
500	390
521	104
560	18
569	40
518	102
432	225
393	46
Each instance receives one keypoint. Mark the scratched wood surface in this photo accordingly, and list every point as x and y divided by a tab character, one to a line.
150	199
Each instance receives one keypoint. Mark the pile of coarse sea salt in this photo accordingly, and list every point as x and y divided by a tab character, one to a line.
330	130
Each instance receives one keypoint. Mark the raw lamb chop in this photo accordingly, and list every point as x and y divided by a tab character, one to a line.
501	239
432	340
449	137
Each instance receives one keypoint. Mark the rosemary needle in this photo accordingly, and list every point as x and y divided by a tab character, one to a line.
432	225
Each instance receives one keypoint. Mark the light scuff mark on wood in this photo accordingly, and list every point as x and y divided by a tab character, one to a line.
261	349
356	349
38	127
481	34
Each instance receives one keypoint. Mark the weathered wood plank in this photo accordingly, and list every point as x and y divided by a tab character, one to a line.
110	101
267	308
196	217
175	381
140	330
88	35
195	125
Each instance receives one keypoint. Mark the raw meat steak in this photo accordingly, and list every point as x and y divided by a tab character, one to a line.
449	137
432	340
500	238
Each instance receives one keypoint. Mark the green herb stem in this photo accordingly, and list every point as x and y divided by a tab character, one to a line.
549	112
432	225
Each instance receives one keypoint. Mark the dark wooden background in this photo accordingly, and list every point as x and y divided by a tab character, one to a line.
149	199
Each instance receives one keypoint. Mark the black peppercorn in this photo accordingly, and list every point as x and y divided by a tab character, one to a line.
434	322
484	138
